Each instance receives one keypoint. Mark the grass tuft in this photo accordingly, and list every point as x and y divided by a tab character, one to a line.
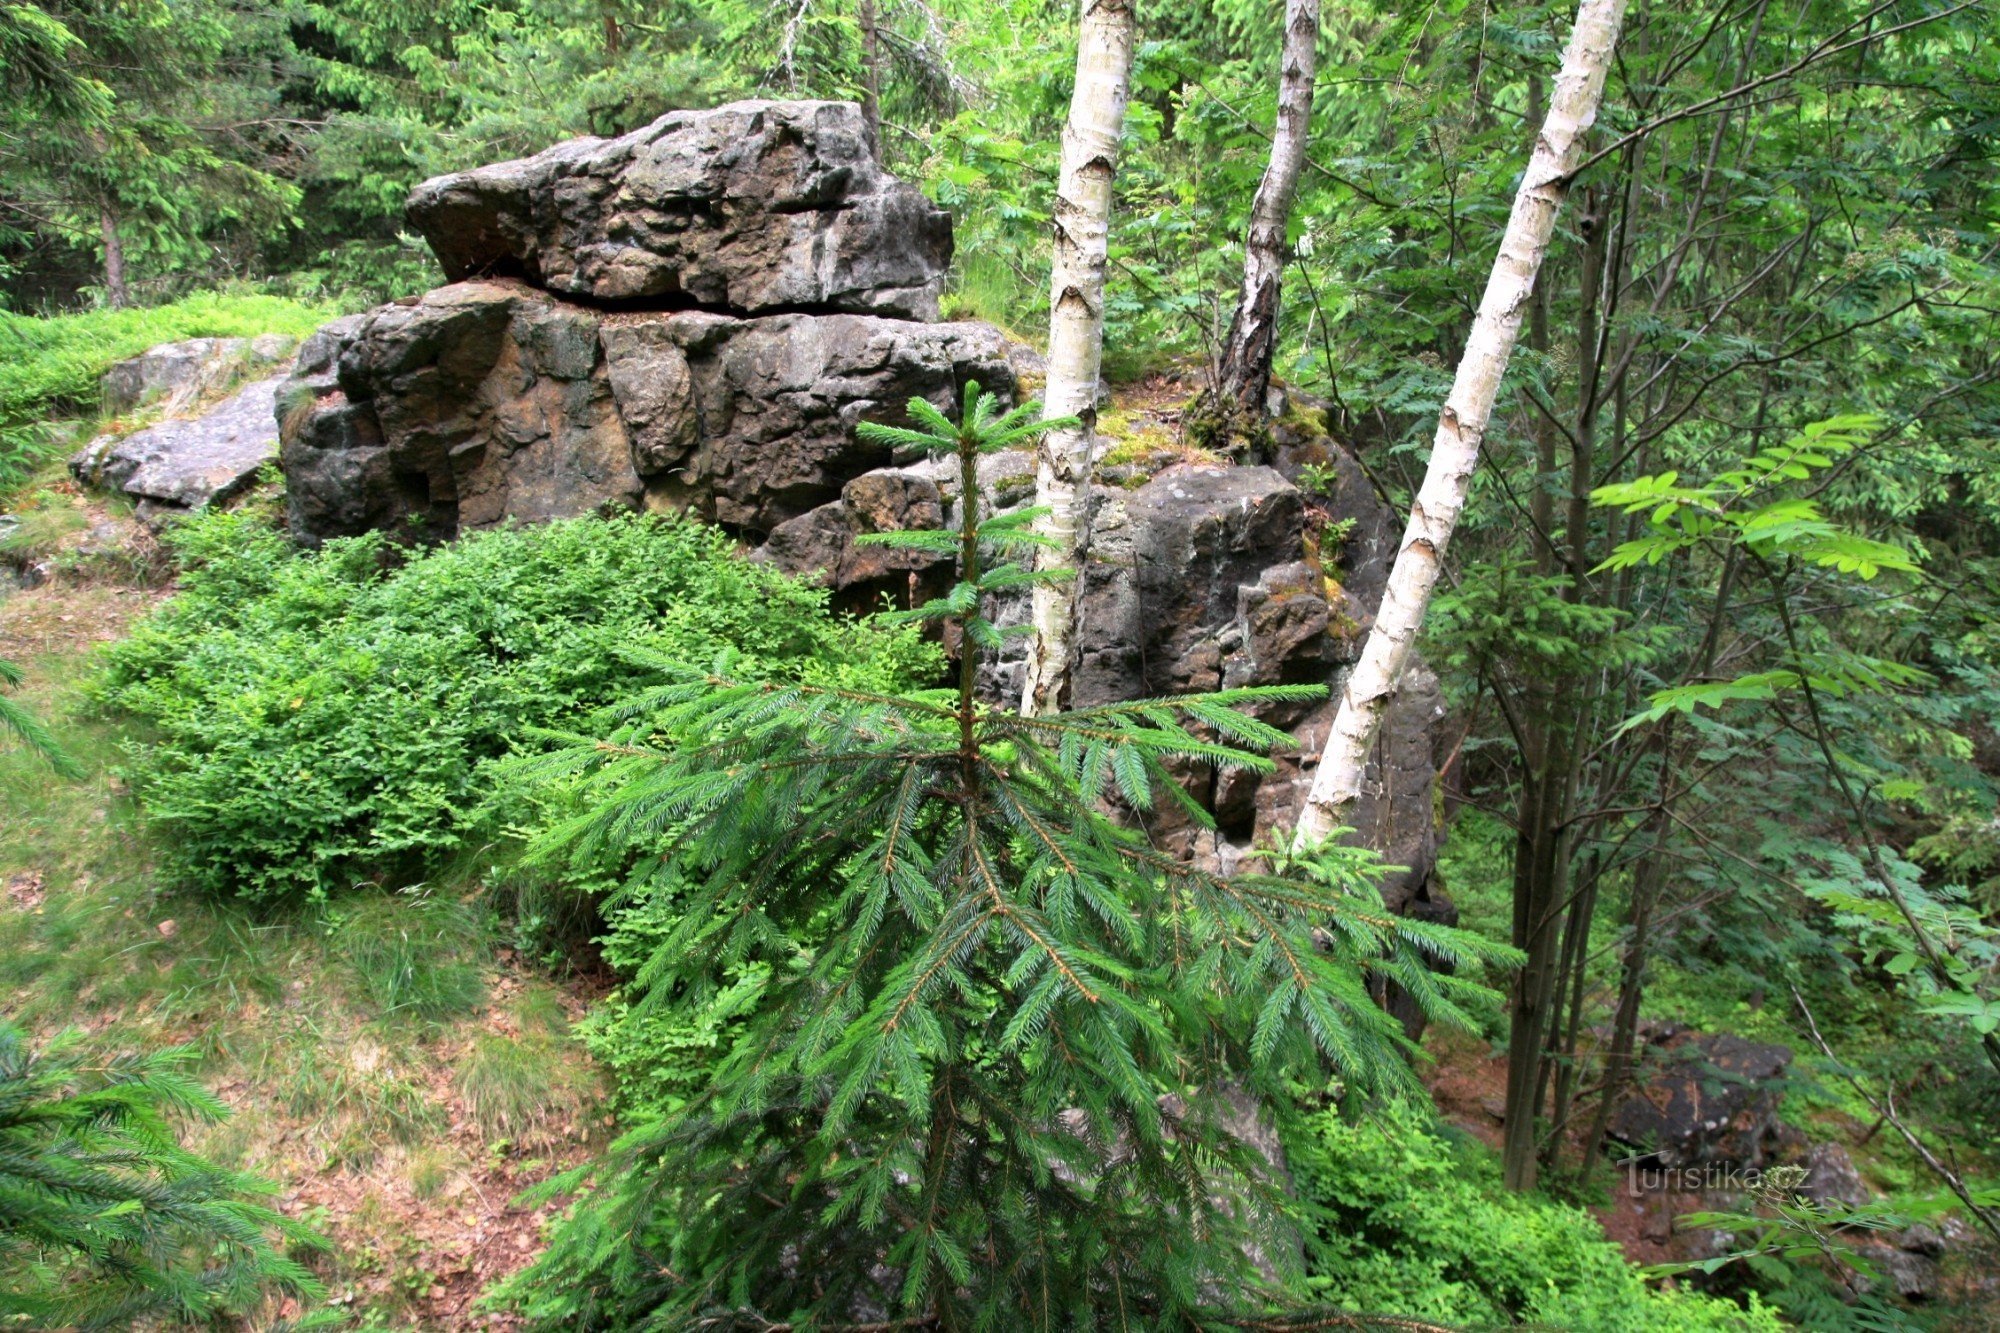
518	1088
414	957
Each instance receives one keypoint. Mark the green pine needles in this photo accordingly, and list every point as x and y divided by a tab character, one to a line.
106	1222
27	729
993	1057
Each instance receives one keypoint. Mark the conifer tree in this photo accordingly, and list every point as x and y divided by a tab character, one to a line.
106	1221
26	728
988	1041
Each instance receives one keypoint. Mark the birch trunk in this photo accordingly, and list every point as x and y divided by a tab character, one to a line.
1076	333
1244	375
1372	684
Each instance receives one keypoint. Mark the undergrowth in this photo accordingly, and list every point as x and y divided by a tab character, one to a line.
1402	1218
323	722
340	1036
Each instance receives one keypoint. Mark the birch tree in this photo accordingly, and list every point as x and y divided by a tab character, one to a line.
1372	684
1082	226
1244	375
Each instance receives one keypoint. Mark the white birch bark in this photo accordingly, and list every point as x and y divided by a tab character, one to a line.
1245	372
1082	227
1372	685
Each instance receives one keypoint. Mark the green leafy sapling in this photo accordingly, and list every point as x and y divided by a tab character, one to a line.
106	1221
1748	512
991	1048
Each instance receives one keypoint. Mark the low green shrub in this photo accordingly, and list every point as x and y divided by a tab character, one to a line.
660	1053
1401	1219
322	722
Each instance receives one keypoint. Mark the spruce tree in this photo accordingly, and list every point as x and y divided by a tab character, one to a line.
990	1046
27	729
106	1221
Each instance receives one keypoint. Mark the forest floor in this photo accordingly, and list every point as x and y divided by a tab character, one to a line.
396	1065
398	1069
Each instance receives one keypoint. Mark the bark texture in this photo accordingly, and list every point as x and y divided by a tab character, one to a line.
1372	685
115	290
1244	376
1076	332
871	76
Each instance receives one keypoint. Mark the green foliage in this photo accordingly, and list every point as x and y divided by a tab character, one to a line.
25	728
1400	1217
979	1046
1745	504
106	1222
1788	1242
159	145
322	721
51	366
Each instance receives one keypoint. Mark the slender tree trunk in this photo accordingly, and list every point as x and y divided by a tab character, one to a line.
871	75
1373	682
1541	881
115	290
1566	1031
1082	228
1244	375
1647	881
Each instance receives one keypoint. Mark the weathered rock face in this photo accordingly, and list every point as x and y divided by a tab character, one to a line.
1201	579
489	401
183	464
822	542
1713	1100
750	208
193	456
178	372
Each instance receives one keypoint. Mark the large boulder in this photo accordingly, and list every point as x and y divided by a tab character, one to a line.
1708	1099
822	543
749	208
775	400
487	401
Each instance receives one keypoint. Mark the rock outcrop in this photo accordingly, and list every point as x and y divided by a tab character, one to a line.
193	456
752	208
698	315
694	316
493	400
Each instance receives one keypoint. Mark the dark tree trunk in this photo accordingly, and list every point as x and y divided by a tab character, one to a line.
871	76
115	290
1541	879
